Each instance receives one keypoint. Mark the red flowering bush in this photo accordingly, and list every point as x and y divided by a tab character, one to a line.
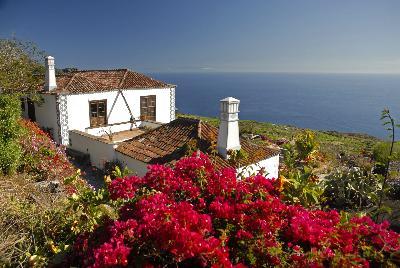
41	156
194	216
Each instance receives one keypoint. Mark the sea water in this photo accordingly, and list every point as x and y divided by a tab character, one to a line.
341	102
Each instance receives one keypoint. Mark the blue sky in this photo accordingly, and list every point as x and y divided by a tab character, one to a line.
347	36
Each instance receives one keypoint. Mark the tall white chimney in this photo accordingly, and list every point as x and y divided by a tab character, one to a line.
50	82
228	134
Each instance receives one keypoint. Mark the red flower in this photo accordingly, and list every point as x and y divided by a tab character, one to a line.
191	215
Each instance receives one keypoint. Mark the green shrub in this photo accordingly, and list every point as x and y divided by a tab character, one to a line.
381	152
116	169
10	155
301	184
306	145
353	189
10	131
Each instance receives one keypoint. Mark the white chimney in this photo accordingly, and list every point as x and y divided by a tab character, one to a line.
50	82
228	134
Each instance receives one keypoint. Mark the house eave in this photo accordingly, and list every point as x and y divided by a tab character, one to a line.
67	92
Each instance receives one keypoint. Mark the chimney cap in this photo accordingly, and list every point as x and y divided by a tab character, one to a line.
49	58
230	100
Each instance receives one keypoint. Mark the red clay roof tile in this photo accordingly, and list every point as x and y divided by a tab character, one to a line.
104	80
171	142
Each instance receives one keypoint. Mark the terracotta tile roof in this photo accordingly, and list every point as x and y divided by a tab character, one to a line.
104	80
172	141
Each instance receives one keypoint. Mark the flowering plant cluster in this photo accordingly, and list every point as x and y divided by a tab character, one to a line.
194	216
42	157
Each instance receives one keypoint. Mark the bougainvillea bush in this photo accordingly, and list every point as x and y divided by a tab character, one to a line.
193	216
41	156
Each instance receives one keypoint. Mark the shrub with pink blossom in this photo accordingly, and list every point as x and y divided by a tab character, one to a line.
194	216
41	155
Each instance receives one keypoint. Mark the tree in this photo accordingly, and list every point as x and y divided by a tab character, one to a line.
21	73
21	68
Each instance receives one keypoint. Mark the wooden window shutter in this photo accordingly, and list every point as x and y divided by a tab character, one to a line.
98	113
148	107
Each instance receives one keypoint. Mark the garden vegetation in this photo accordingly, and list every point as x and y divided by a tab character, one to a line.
327	208
194	216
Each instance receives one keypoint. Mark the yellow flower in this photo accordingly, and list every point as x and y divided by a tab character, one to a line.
281	182
107	179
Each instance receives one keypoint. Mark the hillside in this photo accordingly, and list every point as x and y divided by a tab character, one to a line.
332	143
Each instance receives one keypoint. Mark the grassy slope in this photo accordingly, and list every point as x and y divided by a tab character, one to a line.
332	143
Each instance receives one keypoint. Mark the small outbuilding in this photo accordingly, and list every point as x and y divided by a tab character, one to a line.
183	136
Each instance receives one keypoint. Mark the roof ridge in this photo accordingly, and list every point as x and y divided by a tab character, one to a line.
101	70
200	125
188	119
70	81
82	81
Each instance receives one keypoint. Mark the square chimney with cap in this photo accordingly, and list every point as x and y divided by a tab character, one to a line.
228	134
50	77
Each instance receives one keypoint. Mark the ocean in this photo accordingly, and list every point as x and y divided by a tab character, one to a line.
341	102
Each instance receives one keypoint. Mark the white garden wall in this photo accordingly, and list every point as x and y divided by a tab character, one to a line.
270	165
139	168
99	131
150	124
100	151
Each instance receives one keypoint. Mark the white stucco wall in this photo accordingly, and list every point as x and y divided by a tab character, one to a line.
139	168
100	151
78	106
77	111
150	124
99	131
46	114
270	165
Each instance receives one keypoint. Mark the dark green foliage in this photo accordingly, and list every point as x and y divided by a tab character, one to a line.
306	144
301	184
353	189
389	122
10	155
116	169
66	70
10	131
394	189
21	66
381	152
21	72
10	113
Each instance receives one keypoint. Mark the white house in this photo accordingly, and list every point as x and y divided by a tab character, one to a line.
123	115
172	141
91	111
98	102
